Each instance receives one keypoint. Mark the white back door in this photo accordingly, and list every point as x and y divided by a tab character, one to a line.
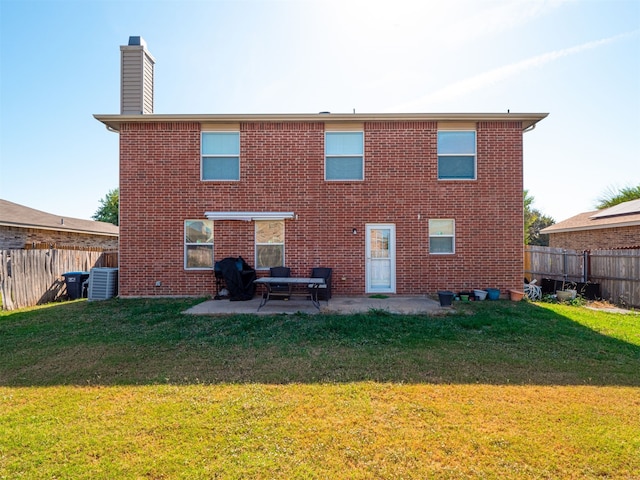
381	258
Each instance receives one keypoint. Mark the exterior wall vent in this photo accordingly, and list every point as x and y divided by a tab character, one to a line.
136	81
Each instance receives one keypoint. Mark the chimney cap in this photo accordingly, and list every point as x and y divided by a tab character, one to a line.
133	41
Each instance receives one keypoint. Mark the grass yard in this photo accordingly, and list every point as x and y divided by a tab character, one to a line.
134	389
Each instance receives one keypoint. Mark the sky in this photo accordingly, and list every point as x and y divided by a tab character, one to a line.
578	60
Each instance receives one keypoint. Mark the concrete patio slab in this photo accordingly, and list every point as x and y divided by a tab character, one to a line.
405	304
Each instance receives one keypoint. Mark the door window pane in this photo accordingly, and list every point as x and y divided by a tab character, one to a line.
380	243
380	274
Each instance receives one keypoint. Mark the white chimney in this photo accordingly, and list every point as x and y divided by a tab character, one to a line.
136	81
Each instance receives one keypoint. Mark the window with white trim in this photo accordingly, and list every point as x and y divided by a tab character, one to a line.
269	244
344	156
198	244
456	155
220	156
441	236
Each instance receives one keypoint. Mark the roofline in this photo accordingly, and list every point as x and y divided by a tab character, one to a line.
114	121
551	230
57	229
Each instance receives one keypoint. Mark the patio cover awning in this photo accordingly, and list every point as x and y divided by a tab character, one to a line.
248	216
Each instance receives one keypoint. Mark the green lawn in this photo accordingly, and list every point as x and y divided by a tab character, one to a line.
135	389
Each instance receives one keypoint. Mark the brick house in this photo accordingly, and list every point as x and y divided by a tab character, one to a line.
615	227
24	227
393	203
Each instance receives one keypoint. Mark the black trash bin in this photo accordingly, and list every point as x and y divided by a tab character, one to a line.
74	281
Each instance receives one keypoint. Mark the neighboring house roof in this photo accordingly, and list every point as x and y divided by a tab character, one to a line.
626	214
14	215
113	122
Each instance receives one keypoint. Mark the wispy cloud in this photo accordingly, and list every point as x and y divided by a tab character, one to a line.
492	77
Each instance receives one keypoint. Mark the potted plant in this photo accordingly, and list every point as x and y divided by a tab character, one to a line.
516	295
445	297
493	293
567	293
465	295
480	294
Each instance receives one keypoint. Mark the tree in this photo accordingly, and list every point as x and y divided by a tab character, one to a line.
109	208
613	196
534	221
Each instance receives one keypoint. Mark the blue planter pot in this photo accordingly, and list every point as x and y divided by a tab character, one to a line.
493	293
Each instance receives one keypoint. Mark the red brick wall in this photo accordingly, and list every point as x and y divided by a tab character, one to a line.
18	238
282	169
604	238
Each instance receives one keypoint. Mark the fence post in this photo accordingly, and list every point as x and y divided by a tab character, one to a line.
585	266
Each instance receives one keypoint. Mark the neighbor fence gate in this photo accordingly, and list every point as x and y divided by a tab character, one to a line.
617	271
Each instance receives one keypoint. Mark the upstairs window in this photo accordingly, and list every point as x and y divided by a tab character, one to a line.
456	155
198	244
441	236
220	156
344	156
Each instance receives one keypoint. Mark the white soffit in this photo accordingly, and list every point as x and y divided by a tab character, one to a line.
249	216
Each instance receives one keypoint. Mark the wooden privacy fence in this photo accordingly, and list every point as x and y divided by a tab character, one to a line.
617	270
34	277
618	273
555	263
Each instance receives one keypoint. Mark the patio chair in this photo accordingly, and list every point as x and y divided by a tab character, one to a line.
324	291
282	290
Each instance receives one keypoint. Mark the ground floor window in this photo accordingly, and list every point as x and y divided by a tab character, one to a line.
441	236
198	244
269	244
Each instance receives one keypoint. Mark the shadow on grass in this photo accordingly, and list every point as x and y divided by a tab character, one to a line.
122	342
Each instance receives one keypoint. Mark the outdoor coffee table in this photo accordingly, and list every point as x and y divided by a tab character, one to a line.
313	284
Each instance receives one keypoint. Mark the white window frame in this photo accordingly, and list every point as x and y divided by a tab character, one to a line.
218	155
433	234
257	263
327	156
444	155
198	243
